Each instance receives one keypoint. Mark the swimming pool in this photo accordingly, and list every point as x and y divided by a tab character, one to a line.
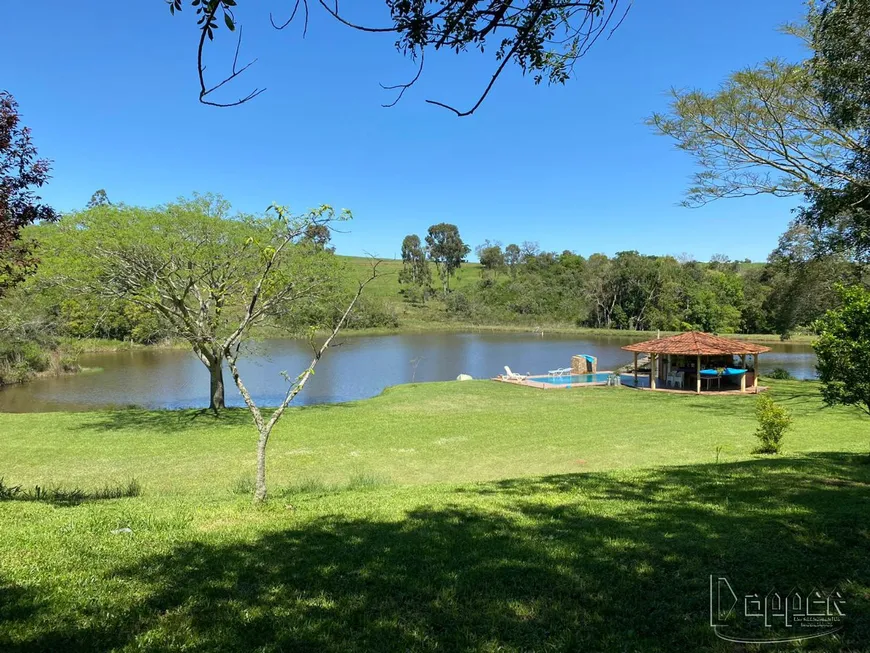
573	379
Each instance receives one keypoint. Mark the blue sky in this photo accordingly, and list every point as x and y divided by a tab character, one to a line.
110	91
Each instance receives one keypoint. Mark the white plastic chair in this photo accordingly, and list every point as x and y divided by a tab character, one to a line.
512	376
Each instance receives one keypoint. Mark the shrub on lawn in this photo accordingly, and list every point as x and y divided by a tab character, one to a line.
781	374
773	421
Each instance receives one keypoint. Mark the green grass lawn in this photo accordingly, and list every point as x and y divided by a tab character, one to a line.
436	517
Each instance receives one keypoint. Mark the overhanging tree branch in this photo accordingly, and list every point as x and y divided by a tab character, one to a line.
763	131
544	38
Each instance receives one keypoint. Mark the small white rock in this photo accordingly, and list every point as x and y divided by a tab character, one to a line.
122	530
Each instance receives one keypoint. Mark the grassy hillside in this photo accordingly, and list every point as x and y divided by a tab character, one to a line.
387	286
433	317
437	517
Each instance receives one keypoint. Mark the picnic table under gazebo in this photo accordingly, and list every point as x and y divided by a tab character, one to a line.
688	359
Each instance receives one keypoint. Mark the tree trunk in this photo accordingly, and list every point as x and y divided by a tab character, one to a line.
260	485
216	394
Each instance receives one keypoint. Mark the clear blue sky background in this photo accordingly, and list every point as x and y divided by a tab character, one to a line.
109	89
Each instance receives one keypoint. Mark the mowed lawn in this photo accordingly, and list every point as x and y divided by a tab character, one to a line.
413	434
436	517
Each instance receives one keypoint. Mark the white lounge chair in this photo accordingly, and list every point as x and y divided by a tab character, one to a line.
513	376
561	371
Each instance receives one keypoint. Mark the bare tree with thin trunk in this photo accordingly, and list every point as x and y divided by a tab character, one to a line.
232	348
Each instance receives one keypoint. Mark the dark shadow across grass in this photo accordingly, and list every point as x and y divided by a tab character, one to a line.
182	421
585	562
164	421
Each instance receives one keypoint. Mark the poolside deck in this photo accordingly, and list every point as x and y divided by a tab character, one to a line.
532	383
627	380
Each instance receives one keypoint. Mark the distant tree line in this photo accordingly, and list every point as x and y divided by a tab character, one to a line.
630	290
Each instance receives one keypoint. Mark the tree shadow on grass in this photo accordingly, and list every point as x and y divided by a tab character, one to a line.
587	562
164	421
181	421
803	398
800	403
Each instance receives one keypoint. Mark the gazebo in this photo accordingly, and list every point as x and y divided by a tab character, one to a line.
680	359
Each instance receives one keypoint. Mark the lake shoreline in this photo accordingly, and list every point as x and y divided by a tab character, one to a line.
99	345
361	365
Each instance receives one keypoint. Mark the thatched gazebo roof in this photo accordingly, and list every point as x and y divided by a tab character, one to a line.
696	343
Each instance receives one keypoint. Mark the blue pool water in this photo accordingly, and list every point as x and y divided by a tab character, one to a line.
600	377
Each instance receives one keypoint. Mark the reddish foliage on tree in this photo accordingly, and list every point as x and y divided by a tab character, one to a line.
21	171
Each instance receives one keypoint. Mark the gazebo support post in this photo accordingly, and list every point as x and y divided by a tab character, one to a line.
698	376
743	376
652	371
755	375
635	369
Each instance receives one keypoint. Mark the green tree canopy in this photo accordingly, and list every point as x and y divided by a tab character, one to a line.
764	131
491	256
843	350
415	274
512	257
841	39
446	249
193	264
21	173
318	236
791	129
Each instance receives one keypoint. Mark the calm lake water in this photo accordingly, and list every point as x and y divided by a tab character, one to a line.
361	367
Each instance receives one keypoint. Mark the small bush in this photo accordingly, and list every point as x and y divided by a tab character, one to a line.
372	313
773	421
20	360
781	374
457	303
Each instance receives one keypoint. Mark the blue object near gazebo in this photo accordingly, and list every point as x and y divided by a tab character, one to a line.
726	371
